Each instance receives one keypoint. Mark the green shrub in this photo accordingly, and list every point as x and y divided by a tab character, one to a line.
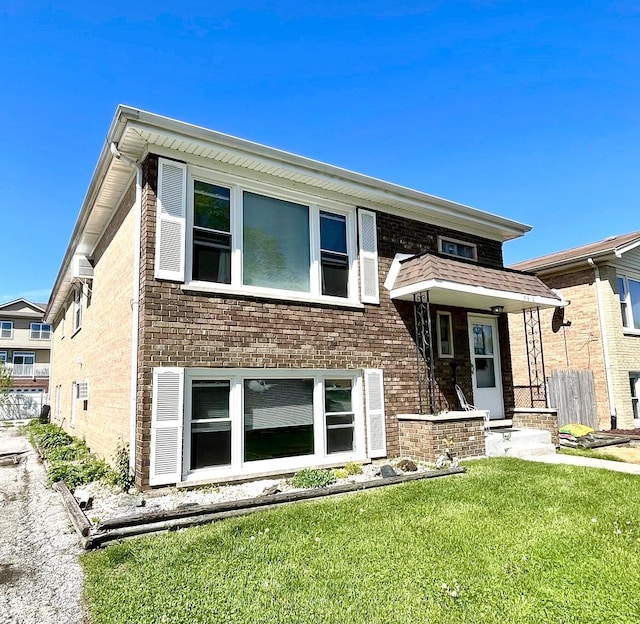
340	473
312	478
78	473
353	468
46	436
121	473
73	451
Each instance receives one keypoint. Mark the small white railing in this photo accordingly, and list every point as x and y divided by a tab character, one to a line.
28	370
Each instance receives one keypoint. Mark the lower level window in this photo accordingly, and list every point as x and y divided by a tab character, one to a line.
242	419
210	424
339	417
634	378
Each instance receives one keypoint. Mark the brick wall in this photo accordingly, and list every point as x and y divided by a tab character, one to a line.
181	328
546	419
100	352
425	439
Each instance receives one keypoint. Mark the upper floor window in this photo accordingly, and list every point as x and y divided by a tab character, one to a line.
40	331
629	292
219	232
247	239
77	309
457	248
6	329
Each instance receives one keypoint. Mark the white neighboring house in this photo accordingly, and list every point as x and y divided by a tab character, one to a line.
25	348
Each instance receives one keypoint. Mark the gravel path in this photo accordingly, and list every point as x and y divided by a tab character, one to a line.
40	575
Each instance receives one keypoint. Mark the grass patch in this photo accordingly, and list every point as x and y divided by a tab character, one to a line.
586	452
510	541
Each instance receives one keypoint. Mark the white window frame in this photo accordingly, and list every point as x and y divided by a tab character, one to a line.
36	334
3	357
236	377
316	206
447	239
634	379
6	330
77	309
626	308
441	354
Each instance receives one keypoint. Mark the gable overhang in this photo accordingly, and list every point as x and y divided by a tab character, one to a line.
137	133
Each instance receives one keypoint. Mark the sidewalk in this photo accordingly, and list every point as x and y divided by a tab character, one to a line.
588	462
40	576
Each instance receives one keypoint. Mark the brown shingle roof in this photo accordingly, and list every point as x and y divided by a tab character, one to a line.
605	247
431	266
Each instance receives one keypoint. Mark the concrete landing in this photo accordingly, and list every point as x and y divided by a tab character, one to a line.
518	443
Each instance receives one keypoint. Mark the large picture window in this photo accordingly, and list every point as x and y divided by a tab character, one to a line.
629	293
278	418
275	243
243	240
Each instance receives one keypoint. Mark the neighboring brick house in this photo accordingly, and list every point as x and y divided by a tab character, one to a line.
233	310
599	329
25	346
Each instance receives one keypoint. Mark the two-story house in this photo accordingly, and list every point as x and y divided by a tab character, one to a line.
598	332
25	345
232	310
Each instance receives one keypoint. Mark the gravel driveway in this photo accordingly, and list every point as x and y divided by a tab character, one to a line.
40	576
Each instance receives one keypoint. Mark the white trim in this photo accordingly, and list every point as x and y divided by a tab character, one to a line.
135	321
394	269
315	205
534	300
451	355
442	239
10	337
445	416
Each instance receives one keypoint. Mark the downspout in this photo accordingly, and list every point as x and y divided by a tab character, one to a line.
605	347
135	304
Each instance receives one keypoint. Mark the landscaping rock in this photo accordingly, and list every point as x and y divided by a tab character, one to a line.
387	471
127	500
270	491
406	465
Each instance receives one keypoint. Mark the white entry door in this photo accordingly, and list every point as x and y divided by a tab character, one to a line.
485	365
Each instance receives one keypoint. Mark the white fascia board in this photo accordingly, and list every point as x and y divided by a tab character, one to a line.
179	131
394	269
481	291
625	248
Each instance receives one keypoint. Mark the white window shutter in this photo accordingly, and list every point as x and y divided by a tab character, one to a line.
374	403
368	257
166	426
171	220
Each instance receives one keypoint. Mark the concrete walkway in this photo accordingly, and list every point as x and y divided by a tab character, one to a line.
588	462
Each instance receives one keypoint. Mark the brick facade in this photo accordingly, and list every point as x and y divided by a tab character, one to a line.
580	345
187	329
99	352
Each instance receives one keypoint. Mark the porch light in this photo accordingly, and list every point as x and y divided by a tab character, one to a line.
497	310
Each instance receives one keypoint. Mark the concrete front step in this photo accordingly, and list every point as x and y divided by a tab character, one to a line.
518	443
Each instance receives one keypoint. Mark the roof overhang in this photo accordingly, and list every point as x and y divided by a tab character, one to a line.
137	133
468	291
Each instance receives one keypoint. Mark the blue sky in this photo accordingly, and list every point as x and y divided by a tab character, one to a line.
529	110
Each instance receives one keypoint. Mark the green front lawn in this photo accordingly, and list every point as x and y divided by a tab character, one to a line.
510	541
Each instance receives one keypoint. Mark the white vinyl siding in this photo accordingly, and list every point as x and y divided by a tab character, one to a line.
368	257
374	401
170	224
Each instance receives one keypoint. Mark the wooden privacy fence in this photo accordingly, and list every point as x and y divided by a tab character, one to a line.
573	394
